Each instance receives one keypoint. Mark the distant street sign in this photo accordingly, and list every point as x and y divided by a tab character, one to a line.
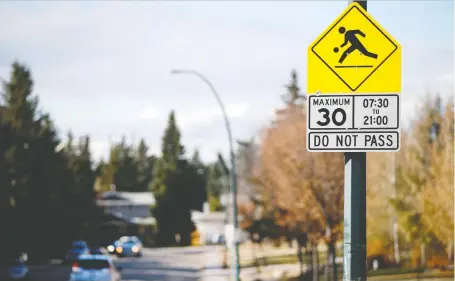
353	123
354	55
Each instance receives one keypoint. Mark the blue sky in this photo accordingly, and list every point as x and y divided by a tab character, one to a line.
102	68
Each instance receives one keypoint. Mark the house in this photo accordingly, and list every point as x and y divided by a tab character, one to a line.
127	213
213	225
133	206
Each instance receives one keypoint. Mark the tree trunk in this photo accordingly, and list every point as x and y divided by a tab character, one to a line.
327	265
333	255
315	262
300	257
396	244
309	255
422	254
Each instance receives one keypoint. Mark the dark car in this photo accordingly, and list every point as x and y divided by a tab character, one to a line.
77	248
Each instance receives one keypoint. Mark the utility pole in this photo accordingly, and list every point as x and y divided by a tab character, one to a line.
233	168
354	266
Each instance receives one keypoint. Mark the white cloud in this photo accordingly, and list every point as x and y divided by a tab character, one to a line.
200	118
447	78
236	110
99	149
148	113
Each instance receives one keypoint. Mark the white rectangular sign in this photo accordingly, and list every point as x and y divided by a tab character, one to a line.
353	122
330	112
376	112
354	141
364	112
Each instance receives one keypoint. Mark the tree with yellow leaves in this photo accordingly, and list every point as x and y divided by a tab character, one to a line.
438	192
309	186
425	177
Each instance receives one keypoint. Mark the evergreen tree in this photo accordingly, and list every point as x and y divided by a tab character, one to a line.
199	172
293	95
144	165
83	193
38	177
217	181
126	173
171	187
214	188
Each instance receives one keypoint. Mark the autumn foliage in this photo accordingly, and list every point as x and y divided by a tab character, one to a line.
413	187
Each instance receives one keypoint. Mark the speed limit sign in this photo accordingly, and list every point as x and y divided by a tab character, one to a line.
353	123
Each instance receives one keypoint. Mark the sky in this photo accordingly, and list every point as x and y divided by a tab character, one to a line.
103	67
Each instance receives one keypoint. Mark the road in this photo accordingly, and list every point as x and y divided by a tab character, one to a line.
175	264
164	265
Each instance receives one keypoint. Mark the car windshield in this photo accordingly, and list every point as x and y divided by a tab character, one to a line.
124	239
93	264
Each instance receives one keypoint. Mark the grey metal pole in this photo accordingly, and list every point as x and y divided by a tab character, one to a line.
354	265
233	169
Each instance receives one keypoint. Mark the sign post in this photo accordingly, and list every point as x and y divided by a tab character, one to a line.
354	81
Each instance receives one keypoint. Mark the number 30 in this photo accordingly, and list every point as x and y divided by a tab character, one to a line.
325	114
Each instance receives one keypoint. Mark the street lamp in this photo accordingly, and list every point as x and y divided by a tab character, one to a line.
232	156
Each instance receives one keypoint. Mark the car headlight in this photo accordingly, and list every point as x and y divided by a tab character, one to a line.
110	248
135	249
119	249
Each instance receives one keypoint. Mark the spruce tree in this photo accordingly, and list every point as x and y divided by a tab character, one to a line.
172	187
38	175
164	184
292	95
144	165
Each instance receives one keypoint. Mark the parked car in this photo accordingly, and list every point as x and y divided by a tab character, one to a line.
94	268
77	248
129	246
18	270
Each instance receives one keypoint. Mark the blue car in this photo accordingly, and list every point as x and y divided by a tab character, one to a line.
129	246
77	248
111	248
18	270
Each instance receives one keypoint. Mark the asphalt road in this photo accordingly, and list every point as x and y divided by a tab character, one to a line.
175	264
163	265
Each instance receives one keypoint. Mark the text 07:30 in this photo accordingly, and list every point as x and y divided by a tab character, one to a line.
381	103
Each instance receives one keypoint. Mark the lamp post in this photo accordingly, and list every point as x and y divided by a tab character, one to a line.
232	158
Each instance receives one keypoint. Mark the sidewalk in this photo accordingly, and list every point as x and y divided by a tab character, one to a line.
270	272
213	270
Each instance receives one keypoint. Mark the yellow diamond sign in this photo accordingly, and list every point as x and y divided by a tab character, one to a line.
354	54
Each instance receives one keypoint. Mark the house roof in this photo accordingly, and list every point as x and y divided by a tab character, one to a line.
110	198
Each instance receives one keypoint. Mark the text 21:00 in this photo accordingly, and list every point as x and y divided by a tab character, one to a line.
375	120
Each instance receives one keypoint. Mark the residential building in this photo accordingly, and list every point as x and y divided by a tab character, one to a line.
212	226
127	213
132	206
